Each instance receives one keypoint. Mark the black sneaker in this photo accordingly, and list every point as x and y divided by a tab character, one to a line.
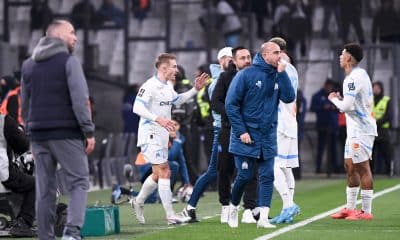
71	234
21	229
191	214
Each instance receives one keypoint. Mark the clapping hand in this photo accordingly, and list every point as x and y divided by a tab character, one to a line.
201	81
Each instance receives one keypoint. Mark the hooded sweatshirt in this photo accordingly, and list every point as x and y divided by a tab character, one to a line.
55	96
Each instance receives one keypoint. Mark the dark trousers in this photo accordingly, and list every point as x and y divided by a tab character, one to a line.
226	170
328	137
382	153
23	183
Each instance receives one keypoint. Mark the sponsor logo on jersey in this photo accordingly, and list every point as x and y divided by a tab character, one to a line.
166	103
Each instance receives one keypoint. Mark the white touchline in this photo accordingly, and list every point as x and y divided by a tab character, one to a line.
319	216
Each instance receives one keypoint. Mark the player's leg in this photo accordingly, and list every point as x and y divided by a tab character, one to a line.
265	183
244	167
353	183
363	152
204	180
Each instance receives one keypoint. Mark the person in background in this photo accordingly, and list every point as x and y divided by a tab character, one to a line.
13	141
11	103
327	125
109	12
56	112
382	151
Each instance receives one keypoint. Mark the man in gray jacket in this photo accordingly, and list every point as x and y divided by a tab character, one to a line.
55	108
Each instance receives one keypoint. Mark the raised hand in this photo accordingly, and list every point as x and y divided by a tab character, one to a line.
201	81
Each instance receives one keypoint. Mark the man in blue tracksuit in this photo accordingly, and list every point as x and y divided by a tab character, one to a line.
251	106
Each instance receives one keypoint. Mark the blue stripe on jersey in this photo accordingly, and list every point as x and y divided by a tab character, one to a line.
175	99
350	94
288	156
147	121
360	114
142	101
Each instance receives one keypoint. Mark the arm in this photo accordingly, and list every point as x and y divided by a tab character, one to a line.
287	94
15	136
198	84
140	108
183	97
233	104
25	98
79	95
142	99
219	95
345	104
12	107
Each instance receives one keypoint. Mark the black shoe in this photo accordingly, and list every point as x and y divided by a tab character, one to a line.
71	234
21	229
191	214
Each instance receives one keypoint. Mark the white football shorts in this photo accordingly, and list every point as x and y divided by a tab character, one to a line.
154	154
359	149
288	152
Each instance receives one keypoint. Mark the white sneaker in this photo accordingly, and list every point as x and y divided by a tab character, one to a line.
224	214
138	209
177	219
262	223
247	216
233	217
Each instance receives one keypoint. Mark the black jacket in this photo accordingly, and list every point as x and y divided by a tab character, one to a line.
219	94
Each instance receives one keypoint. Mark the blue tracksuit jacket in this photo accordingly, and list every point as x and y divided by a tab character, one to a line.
251	105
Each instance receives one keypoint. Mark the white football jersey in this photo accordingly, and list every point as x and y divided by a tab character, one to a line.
287	124
359	119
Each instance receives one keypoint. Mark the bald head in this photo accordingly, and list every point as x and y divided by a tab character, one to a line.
270	52
63	30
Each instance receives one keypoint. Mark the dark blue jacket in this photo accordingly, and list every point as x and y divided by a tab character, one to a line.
251	105
325	117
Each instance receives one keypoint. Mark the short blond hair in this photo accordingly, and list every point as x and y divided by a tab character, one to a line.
164	58
280	41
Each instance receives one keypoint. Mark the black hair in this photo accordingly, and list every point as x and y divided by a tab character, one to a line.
355	50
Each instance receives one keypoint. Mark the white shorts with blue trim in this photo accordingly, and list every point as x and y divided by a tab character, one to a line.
154	154
288	152
359	149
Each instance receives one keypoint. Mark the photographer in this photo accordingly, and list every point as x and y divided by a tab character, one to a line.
14	140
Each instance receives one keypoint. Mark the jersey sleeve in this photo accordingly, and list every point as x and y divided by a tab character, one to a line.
351	87
144	94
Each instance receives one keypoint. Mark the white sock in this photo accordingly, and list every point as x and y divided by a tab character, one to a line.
148	188
164	189
366	200
352	194
282	187
290	181
264	212
190	207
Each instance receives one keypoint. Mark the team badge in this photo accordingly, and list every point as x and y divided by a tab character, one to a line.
258	84
351	86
